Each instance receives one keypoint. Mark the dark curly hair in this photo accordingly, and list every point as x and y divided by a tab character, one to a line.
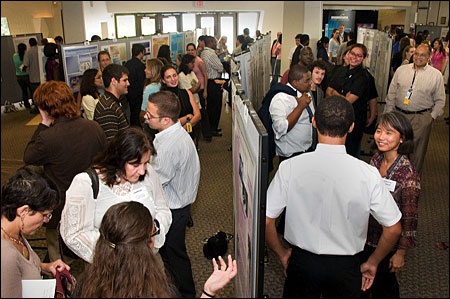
128	145
28	186
88	83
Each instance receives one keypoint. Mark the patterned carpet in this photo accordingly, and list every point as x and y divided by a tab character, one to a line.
426	273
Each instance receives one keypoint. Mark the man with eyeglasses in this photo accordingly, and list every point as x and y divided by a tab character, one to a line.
417	91
108	112
352	82
178	167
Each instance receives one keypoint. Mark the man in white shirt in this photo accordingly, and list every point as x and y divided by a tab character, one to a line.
328	196
297	42
178	166
292	116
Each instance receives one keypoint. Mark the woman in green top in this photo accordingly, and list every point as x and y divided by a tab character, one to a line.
22	77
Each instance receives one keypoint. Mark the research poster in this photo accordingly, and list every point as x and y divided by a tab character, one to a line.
147	45
117	51
157	42
78	59
176	45
189	37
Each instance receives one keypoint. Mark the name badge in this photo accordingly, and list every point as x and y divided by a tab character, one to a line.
390	184
407	97
140	194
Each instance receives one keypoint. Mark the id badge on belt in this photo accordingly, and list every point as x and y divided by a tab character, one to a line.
408	96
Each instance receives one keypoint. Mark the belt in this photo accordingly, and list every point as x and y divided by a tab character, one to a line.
412	112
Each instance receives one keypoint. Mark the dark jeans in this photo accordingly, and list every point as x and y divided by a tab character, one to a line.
214	104
206	130
333	276
24	82
174	253
385	284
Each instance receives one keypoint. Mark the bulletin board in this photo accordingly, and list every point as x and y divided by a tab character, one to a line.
250	177
147	43
117	51
176	45
76	60
158	41
189	37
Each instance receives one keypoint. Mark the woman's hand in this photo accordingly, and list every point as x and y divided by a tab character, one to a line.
220	278
51	268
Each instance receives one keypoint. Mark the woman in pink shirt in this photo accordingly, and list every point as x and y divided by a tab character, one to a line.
438	57
200	72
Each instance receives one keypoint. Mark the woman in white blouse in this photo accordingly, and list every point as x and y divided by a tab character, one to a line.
90	84
125	175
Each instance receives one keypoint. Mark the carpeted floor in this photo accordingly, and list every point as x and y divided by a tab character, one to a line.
426	271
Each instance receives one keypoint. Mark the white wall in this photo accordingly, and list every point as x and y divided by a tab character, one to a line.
96	12
73	22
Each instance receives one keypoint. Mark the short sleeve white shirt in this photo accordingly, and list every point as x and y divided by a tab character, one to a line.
328	196
299	138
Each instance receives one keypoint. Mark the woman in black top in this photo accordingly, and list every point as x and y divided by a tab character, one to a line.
353	83
189	108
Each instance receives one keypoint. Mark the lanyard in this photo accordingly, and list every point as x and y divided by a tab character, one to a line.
414	78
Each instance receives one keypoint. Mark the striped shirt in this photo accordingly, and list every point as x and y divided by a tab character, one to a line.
109	115
214	68
178	165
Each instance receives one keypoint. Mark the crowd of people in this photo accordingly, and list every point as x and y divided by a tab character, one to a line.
122	182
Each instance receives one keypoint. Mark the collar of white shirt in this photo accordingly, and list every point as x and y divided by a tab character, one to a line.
299	94
331	148
166	134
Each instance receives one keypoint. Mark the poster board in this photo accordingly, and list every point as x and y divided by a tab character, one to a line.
24	39
117	51
176	45
77	59
189	37
147	43
250	177
158	41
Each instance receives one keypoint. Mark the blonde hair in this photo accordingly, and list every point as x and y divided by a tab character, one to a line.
154	66
222	43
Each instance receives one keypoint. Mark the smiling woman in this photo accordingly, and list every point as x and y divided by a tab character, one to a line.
125	175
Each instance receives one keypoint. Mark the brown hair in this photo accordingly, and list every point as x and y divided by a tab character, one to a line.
363	48
167	103
124	265
56	98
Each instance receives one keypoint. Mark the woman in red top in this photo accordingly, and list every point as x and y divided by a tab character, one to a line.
394	139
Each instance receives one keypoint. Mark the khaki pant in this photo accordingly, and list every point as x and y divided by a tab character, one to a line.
421	124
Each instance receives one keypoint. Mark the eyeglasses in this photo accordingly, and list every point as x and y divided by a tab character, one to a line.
156	230
150	116
356	55
48	216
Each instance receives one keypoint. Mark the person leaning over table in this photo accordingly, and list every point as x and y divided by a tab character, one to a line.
28	199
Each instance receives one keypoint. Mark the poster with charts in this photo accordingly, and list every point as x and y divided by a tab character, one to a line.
24	39
158	41
147	45
77	59
176	45
118	52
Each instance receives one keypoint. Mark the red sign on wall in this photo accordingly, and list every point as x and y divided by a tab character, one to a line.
198	3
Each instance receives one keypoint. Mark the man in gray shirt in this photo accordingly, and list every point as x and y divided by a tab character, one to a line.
31	65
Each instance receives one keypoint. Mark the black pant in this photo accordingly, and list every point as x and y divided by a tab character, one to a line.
332	276
206	130
135	108
214	105
174	253
353	142
24	82
33	87
385	284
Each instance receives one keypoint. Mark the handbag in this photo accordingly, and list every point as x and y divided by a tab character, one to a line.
63	249
65	284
